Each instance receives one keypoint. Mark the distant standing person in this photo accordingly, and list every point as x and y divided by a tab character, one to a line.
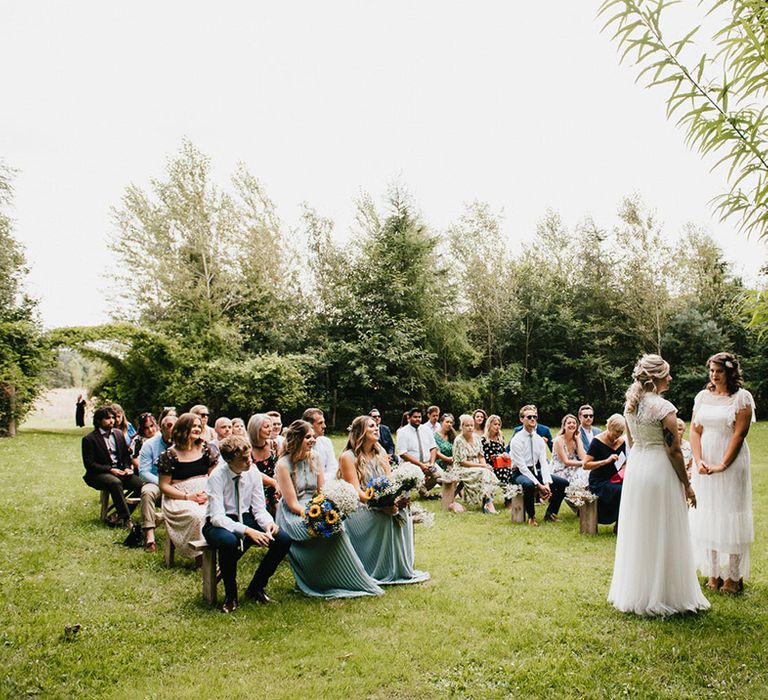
80	411
722	527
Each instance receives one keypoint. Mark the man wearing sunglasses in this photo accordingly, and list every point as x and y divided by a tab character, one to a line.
541	430
586	431
385	435
530	468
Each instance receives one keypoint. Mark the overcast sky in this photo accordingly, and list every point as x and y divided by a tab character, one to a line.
522	105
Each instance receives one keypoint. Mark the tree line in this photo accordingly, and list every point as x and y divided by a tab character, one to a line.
223	305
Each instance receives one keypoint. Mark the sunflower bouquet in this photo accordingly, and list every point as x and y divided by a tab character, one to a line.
381	492
326	510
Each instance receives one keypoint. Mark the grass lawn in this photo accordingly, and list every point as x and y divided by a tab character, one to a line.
510	611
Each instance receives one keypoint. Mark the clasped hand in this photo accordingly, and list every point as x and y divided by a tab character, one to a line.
262	539
705	468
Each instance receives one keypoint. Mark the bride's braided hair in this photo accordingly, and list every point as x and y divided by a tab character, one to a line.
647	369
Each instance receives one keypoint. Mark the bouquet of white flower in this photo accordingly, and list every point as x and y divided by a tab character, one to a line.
512	490
578	494
406	477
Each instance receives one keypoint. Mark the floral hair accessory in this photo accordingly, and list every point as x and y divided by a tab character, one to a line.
729	364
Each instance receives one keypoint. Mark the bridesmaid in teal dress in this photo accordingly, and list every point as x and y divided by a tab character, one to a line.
382	537
323	568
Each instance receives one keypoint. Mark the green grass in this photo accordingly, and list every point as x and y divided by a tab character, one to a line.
510	611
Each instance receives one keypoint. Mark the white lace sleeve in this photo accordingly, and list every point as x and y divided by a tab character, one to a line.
742	400
663	408
696	406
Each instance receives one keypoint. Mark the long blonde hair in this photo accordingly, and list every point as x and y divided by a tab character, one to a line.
648	368
294	442
487	431
355	443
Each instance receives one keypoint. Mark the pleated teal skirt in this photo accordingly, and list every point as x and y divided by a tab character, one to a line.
384	545
324	568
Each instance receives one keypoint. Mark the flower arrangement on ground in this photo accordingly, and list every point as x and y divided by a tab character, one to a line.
326	510
512	490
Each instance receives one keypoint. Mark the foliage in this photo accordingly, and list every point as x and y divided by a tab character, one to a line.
23	354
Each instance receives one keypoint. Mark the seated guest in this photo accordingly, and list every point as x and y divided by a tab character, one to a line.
494	450
541	430
602	464
568	453
264	455
108	464
209	434
385	435
167	411
223	428
416	444
326	455
586	431
277	431
147	430
238	427
323	568
478	483
531	470
433	414
480	418
382	537
238	518
444	437
183	470
150	491
122	424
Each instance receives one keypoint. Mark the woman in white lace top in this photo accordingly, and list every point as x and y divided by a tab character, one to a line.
722	528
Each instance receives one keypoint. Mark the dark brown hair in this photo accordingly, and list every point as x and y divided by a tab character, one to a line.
734	379
181	431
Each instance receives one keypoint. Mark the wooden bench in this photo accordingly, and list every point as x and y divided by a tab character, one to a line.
107	507
207	570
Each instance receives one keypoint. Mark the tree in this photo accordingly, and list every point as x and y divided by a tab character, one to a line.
24	356
203	264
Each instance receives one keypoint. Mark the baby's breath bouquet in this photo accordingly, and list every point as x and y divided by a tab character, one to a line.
578	495
407	477
512	490
326	510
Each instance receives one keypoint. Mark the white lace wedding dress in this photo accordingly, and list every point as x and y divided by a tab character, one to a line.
653	573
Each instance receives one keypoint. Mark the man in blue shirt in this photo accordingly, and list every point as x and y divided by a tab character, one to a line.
150	491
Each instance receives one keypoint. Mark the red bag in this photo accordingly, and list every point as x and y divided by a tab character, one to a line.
618	477
502	461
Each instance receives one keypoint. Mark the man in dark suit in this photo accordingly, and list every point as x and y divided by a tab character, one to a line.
108	464
385	435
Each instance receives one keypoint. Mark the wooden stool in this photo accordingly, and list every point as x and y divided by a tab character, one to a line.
588	518
208	569
107	508
448	493
517	508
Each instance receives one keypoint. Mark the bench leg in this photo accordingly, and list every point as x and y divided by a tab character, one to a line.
448	493
209	575
168	551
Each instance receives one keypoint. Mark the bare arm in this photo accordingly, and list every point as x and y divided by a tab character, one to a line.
675	454
349	473
740	430
695	440
169	490
285	484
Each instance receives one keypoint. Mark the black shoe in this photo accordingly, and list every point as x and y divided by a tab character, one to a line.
259	595
551	518
230	605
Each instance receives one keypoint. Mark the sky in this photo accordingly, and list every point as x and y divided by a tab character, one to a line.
521	105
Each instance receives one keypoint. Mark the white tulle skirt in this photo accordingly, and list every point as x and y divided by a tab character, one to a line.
654	572
721	526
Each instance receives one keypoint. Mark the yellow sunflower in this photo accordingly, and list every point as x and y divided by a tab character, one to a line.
369	492
331	517
314	511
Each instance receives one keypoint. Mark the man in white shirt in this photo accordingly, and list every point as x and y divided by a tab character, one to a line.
237	518
530	468
223	428
586	431
433	414
323	445
416	444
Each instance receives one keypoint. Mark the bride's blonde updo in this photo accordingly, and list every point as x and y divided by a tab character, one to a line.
648	369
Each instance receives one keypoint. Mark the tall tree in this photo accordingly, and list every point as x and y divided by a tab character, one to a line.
24	356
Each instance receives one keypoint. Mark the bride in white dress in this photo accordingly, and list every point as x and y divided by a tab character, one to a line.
654	572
